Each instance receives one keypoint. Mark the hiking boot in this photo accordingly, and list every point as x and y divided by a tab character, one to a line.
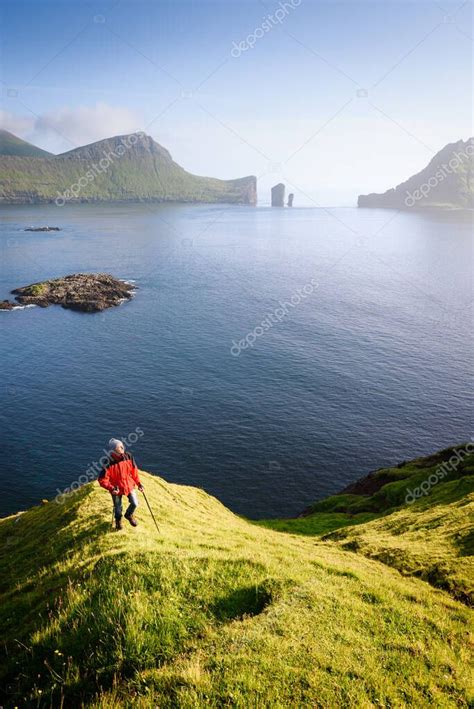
132	520
118	524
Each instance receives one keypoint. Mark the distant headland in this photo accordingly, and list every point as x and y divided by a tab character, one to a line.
447	181
125	168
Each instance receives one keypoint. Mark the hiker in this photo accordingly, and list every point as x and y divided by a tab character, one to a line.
120	477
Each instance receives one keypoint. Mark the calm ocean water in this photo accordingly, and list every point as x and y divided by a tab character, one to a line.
372	367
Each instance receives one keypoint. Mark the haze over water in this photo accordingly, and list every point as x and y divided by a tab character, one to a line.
373	367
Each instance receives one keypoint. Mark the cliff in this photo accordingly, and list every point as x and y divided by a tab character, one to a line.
124	168
447	181
217	611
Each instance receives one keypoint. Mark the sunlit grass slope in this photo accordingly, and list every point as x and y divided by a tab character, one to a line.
213	612
431	538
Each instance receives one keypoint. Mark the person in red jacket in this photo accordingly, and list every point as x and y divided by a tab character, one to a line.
120	477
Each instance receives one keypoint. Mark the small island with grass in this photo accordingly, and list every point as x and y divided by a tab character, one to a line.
86	292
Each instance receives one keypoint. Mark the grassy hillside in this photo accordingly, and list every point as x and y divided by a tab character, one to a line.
12	145
214	611
431	537
114	170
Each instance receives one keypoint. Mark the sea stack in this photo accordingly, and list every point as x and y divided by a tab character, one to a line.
291	197
278	195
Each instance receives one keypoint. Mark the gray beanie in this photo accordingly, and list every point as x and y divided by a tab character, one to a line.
114	442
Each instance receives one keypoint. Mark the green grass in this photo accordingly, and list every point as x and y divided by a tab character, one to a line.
431	538
320	523
214	612
36	289
44	180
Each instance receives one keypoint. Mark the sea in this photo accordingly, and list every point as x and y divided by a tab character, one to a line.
268	356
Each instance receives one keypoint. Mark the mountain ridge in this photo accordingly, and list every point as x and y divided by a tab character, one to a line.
140	142
132	167
11	144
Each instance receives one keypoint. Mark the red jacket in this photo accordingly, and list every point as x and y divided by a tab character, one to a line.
121	471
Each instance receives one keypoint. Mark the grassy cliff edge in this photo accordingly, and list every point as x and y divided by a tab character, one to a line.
417	517
215	611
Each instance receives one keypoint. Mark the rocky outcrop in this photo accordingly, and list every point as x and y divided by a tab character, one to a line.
124	168
6	305
291	197
278	195
88	292
447	181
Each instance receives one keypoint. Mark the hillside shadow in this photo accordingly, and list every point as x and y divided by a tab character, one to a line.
242	602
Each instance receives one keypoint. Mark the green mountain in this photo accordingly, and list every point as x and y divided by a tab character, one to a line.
447	181
12	145
216	611
124	168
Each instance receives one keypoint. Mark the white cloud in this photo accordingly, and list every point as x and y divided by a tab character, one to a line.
68	127
86	124
19	125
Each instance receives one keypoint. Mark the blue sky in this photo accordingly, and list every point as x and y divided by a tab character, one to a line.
334	98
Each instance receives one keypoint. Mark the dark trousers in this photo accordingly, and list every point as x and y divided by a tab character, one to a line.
133	500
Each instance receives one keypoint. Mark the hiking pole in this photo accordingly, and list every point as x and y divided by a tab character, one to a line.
153	516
